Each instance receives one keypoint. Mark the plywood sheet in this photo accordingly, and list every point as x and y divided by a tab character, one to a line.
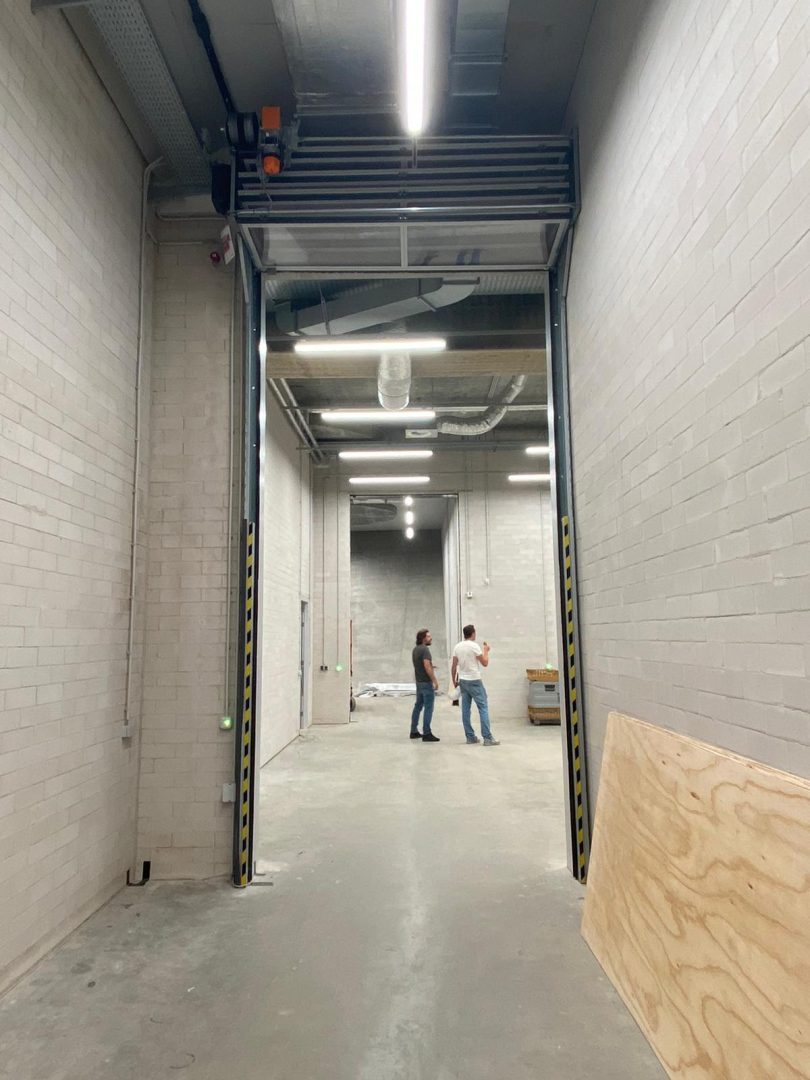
698	903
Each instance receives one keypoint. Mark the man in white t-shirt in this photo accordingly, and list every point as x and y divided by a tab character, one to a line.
468	659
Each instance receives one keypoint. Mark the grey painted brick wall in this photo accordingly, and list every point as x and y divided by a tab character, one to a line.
184	827
690	379
69	262
397	589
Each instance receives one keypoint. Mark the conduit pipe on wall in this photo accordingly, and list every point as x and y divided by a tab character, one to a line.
136	471
491	418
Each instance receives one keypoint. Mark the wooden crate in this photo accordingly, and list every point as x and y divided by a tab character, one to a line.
544	716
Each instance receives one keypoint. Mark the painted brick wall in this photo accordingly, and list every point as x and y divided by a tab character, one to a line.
184	828
69	253
690	380
397	588
287	536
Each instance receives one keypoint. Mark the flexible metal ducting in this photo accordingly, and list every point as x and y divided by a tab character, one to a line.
377	305
394	380
491	418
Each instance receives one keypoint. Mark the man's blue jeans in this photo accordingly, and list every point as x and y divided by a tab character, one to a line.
473	690
425	699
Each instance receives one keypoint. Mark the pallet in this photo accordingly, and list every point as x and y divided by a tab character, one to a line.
544	716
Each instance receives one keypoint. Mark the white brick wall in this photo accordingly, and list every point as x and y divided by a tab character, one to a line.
286	540
689	313
184	828
69	226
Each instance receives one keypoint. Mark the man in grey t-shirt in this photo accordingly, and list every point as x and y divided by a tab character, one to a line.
426	687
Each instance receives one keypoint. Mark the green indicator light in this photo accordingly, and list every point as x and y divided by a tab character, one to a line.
338	667
226	723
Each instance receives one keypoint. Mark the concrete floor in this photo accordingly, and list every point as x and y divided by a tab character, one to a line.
415	922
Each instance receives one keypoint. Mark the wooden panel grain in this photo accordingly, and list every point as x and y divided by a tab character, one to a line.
463	363
698	903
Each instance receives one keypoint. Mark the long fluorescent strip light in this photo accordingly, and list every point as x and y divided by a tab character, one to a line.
394	481
385	455
528	477
536	451
367	346
415	53
401	417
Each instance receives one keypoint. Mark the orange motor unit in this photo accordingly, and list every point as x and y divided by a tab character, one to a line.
270	140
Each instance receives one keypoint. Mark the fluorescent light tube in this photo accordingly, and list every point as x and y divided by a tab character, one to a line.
385	455
394	481
536	451
410	517
409	534
368	346
528	478
415	55
401	417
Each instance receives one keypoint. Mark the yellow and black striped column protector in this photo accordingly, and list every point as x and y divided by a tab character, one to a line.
576	733
245	773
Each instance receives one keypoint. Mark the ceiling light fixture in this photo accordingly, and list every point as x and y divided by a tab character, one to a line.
408	500
394	481
537	451
385	455
402	417
528	478
409	534
410	517
368	346
415	55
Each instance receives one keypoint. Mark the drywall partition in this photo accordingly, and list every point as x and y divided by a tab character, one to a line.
70	192
286	571
698	893
688	318
506	571
184	827
397	589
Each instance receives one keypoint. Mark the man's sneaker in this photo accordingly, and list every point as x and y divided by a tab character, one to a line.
473	741
430	737
416	734
491	742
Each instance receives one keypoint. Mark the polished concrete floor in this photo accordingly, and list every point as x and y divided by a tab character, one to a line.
415	921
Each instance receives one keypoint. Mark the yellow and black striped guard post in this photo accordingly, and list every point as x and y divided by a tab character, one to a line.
245	793
576	732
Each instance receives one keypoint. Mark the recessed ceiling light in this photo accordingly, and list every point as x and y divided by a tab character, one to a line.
368	346
408	500
410	517
394	481
537	451
384	455
409	534
528	478
415	66
400	417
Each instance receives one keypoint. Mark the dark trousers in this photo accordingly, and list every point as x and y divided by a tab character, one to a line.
425	699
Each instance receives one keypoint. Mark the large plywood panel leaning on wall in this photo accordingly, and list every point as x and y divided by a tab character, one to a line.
698	904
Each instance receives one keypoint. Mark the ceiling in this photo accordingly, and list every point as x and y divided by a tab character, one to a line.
380	514
334	64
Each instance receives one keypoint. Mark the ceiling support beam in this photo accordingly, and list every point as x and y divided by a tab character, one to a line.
461	363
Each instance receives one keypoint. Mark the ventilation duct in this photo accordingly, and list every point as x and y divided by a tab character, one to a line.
360	309
478	48
394	381
491	418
